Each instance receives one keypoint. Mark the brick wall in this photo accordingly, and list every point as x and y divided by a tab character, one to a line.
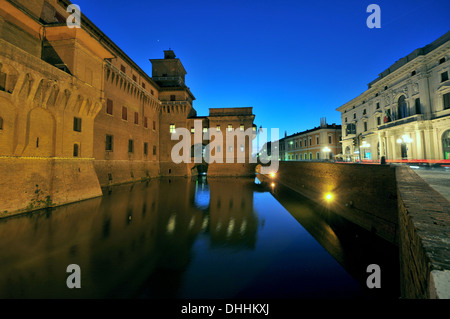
33	183
424	232
364	194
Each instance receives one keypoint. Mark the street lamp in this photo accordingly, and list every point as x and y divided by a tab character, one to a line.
405	139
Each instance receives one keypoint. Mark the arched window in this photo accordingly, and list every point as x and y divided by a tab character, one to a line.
446	144
402	107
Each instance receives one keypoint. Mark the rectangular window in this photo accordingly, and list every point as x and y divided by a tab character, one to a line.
365	126
192	130
317	140
317	155
442	60
354	116
143	85
76	150
218	128
242	128
136	118
378	106
134	78
124	113
310	141
152	93
364	112
444	76
172	97
77	124
329	139
218	149
378	120
205	130
230	128
109	107
154	150
109	143
145	122
446	98
2	81
122	68
154	125
418	108
145	148
130	146
172	128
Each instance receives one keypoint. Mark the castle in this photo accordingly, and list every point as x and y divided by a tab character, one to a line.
78	114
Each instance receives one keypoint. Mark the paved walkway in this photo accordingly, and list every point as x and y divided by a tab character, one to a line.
438	178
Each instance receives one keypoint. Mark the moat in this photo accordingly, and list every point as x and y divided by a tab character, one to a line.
193	238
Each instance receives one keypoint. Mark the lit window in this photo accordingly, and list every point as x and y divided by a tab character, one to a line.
205	130
192	130
172	128
230	128
218	128
242	127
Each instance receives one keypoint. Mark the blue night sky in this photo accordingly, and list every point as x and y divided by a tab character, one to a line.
292	61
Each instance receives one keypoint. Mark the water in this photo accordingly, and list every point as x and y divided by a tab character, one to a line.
191	238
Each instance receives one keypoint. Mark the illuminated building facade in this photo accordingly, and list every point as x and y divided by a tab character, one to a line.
405	113
77	113
319	143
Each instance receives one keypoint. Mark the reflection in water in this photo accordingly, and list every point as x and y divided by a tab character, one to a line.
170	238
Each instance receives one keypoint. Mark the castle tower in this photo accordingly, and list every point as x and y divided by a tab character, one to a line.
176	102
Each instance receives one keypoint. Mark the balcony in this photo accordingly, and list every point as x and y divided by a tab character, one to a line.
169	80
406	120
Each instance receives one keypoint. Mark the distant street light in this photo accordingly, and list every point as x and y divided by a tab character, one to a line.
327	150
